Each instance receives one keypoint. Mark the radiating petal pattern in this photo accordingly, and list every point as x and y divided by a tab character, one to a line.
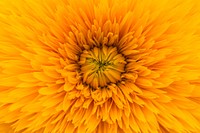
99	66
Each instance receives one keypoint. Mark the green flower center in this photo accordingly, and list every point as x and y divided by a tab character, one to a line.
101	66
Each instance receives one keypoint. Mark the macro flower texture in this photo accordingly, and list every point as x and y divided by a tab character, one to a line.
99	66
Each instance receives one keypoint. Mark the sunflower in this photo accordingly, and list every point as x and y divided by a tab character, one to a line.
99	66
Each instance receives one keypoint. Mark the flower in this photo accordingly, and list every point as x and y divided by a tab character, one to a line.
99	66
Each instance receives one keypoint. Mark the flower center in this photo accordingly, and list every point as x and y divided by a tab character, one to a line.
101	66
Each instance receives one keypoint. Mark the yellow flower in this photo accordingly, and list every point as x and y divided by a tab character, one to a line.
99	66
